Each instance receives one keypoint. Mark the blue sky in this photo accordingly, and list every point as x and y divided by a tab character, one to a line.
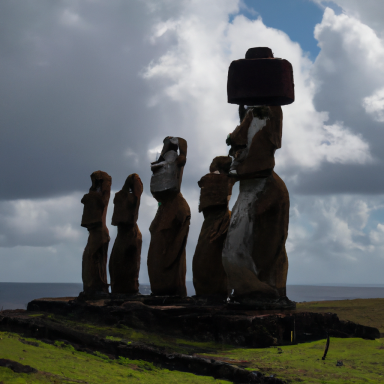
296	18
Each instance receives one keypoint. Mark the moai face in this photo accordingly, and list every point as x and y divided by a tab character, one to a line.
168	169
216	186
127	201
254	142
96	201
220	165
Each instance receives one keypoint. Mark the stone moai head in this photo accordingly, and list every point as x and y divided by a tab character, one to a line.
127	201
96	201
216	186
168	169
220	165
254	142
263	83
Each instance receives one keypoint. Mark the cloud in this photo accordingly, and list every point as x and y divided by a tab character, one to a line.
347	77
369	12
317	138
196	77
95	85
31	264
71	98
338	237
375	105
40	223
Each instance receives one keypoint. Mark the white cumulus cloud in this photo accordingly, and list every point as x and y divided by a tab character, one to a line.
375	105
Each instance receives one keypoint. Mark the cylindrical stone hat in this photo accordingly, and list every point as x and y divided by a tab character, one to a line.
260	79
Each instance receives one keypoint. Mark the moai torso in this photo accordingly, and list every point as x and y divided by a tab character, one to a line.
124	263
94	264
170	227
209	277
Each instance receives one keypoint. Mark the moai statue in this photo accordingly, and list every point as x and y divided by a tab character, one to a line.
209	277
170	227
124	263
94	269
254	255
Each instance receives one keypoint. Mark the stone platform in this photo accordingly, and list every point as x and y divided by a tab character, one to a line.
203	320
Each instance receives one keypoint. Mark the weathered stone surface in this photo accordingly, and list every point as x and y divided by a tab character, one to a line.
170	227
94	264
220	164
248	328
124	263
254	255
166	255
127	201
215	190
168	169
209	277
216	187
254	142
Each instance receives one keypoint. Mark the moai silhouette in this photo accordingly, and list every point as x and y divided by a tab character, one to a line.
170	227
124	263
209	277
94	265
254	255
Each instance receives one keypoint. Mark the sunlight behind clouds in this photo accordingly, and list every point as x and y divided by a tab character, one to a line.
196	71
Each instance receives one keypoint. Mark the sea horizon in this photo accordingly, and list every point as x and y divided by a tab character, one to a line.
16	295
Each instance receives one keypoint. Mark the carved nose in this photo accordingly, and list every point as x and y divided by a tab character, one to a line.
260	79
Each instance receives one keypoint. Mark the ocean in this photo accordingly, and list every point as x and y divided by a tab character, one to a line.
17	295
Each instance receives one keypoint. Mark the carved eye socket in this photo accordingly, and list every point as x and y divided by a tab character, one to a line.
228	141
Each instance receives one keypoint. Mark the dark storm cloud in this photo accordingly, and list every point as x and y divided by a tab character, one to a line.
72	99
347	70
352	77
341	178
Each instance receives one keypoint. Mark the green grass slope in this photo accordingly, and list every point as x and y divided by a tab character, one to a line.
362	311
363	361
61	363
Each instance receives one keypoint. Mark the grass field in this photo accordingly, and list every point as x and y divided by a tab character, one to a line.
60	363
362	360
363	311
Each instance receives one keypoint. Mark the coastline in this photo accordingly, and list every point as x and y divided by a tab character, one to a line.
17	295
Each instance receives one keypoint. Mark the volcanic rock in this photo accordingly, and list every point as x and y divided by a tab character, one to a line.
209	277
124	263
254	255
170	227
94	265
